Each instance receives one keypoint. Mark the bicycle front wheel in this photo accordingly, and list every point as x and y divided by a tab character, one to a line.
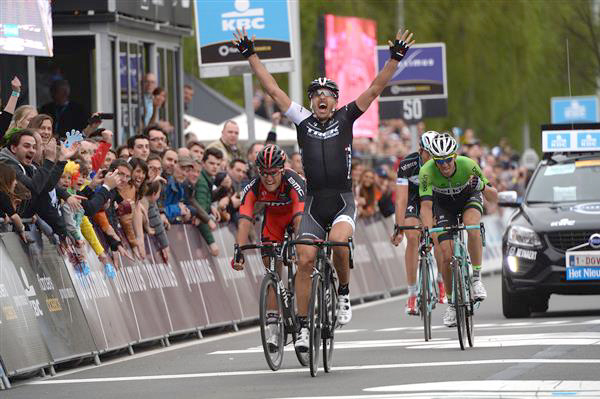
459	302
329	320
425	298
314	324
272	331
469	310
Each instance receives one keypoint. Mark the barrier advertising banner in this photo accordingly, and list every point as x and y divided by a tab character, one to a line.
22	346
57	309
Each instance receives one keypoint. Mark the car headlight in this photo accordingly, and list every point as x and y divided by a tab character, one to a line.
522	236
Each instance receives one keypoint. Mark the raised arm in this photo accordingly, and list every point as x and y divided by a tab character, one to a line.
397	51
268	83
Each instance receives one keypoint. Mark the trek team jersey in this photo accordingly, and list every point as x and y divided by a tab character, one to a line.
432	184
408	173
326	148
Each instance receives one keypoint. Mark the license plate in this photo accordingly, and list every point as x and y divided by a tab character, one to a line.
583	265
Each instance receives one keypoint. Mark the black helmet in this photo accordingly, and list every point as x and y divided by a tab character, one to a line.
271	157
323	83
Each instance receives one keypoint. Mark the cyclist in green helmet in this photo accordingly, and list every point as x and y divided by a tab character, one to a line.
453	185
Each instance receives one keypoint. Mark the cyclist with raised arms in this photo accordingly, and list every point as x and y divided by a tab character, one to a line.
407	214
325	140
282	192
450	185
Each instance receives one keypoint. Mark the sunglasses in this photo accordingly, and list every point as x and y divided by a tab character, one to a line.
267	173
325	92
441	161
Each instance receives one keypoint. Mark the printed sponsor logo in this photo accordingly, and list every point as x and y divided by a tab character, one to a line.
526	253
296	186
562	222
409	165
243	17
594	240
587	209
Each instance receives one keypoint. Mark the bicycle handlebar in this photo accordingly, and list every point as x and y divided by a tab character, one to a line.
322	243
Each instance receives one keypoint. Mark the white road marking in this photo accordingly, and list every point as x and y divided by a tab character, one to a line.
305	370
344	331
499	326
491	341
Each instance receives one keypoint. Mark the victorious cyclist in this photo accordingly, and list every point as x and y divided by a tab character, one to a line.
407	214
325	140
454	185
281	191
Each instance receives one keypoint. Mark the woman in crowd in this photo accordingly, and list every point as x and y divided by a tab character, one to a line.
43	124
9	200
22	116
367	194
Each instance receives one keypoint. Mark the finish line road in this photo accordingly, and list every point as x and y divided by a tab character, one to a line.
380	354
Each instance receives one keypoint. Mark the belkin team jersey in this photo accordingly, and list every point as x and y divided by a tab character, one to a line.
326	148
432	184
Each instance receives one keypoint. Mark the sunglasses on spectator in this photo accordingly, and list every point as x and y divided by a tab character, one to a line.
441	161
267	173
325	92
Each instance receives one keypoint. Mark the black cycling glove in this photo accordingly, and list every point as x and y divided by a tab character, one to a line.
246	47
398	50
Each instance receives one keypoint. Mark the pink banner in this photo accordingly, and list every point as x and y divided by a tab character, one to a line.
350	46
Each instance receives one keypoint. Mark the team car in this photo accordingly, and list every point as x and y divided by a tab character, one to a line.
552	242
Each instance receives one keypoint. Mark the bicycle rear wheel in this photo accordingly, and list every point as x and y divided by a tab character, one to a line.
314	324
272	333
329	321
425	298
459	302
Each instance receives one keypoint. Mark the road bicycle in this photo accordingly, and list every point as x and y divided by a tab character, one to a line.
462	293
273	286
427	290
322	319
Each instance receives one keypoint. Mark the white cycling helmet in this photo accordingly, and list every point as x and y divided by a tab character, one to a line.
443	145
426	138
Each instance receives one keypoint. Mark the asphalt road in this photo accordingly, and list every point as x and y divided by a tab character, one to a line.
380	354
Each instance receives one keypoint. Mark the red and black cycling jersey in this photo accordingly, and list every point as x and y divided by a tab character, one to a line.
287	199
326	148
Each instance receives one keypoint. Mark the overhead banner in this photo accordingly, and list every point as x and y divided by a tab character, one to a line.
418	89
26	28
216	21
354	70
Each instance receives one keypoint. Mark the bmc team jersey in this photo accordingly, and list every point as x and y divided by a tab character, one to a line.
281	206
326	148
433	185
408	175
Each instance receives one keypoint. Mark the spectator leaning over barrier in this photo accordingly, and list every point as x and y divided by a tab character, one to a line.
191	179
212	159
196	149
385	187
139	147
148	84
67	114
157	228
174	201
94	151
169	160
139	177
126	201
9	109
157	138
155	168
9	200
251	155
237	173
228	143
40	180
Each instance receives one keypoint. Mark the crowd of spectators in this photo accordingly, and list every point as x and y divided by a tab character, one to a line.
115	198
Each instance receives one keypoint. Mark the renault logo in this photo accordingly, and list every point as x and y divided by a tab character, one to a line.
595	241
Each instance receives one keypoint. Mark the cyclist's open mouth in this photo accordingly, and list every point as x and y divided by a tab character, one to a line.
323	106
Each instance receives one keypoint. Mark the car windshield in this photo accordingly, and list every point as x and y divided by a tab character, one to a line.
566	182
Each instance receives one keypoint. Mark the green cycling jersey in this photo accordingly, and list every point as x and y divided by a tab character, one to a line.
433	183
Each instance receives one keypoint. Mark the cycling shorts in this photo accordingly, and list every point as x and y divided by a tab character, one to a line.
447	212
323	211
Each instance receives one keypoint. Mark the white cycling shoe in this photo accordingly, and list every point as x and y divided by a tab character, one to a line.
344	310
273	337
479	292
449	318
302	340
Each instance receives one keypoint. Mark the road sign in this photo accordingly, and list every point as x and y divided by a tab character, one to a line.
216	21
582	109
419	87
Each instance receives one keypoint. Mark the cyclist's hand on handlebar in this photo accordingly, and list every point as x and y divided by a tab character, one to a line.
397	237
239	266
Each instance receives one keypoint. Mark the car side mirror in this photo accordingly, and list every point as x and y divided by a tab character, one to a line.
508	199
